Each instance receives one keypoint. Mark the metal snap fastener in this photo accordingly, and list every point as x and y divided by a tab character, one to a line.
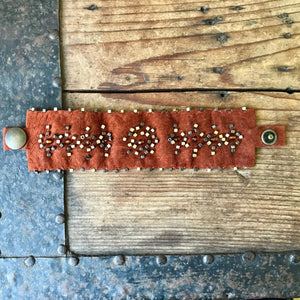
269	137
15	138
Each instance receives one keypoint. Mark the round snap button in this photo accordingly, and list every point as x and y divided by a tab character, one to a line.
269	137
15	138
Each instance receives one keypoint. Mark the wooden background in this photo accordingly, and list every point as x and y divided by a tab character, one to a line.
166	54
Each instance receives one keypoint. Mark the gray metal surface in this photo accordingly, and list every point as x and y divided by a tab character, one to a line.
180	277
29	62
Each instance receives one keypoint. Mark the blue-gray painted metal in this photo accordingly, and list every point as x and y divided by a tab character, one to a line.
29	61
182	277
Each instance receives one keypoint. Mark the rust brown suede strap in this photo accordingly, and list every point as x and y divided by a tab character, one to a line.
209	139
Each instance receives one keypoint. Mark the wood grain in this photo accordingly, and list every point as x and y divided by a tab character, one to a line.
142	45
191	212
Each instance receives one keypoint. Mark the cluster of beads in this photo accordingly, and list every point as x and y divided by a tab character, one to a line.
141	140
196	139
84	141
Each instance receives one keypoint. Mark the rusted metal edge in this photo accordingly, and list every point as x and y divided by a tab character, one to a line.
238	276
29	77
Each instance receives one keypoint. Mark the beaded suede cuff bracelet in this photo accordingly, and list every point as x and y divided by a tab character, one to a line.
210	139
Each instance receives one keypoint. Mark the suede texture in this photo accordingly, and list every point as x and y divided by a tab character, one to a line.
119	125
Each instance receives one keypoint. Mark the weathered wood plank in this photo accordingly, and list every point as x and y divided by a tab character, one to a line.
129	45
191	212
